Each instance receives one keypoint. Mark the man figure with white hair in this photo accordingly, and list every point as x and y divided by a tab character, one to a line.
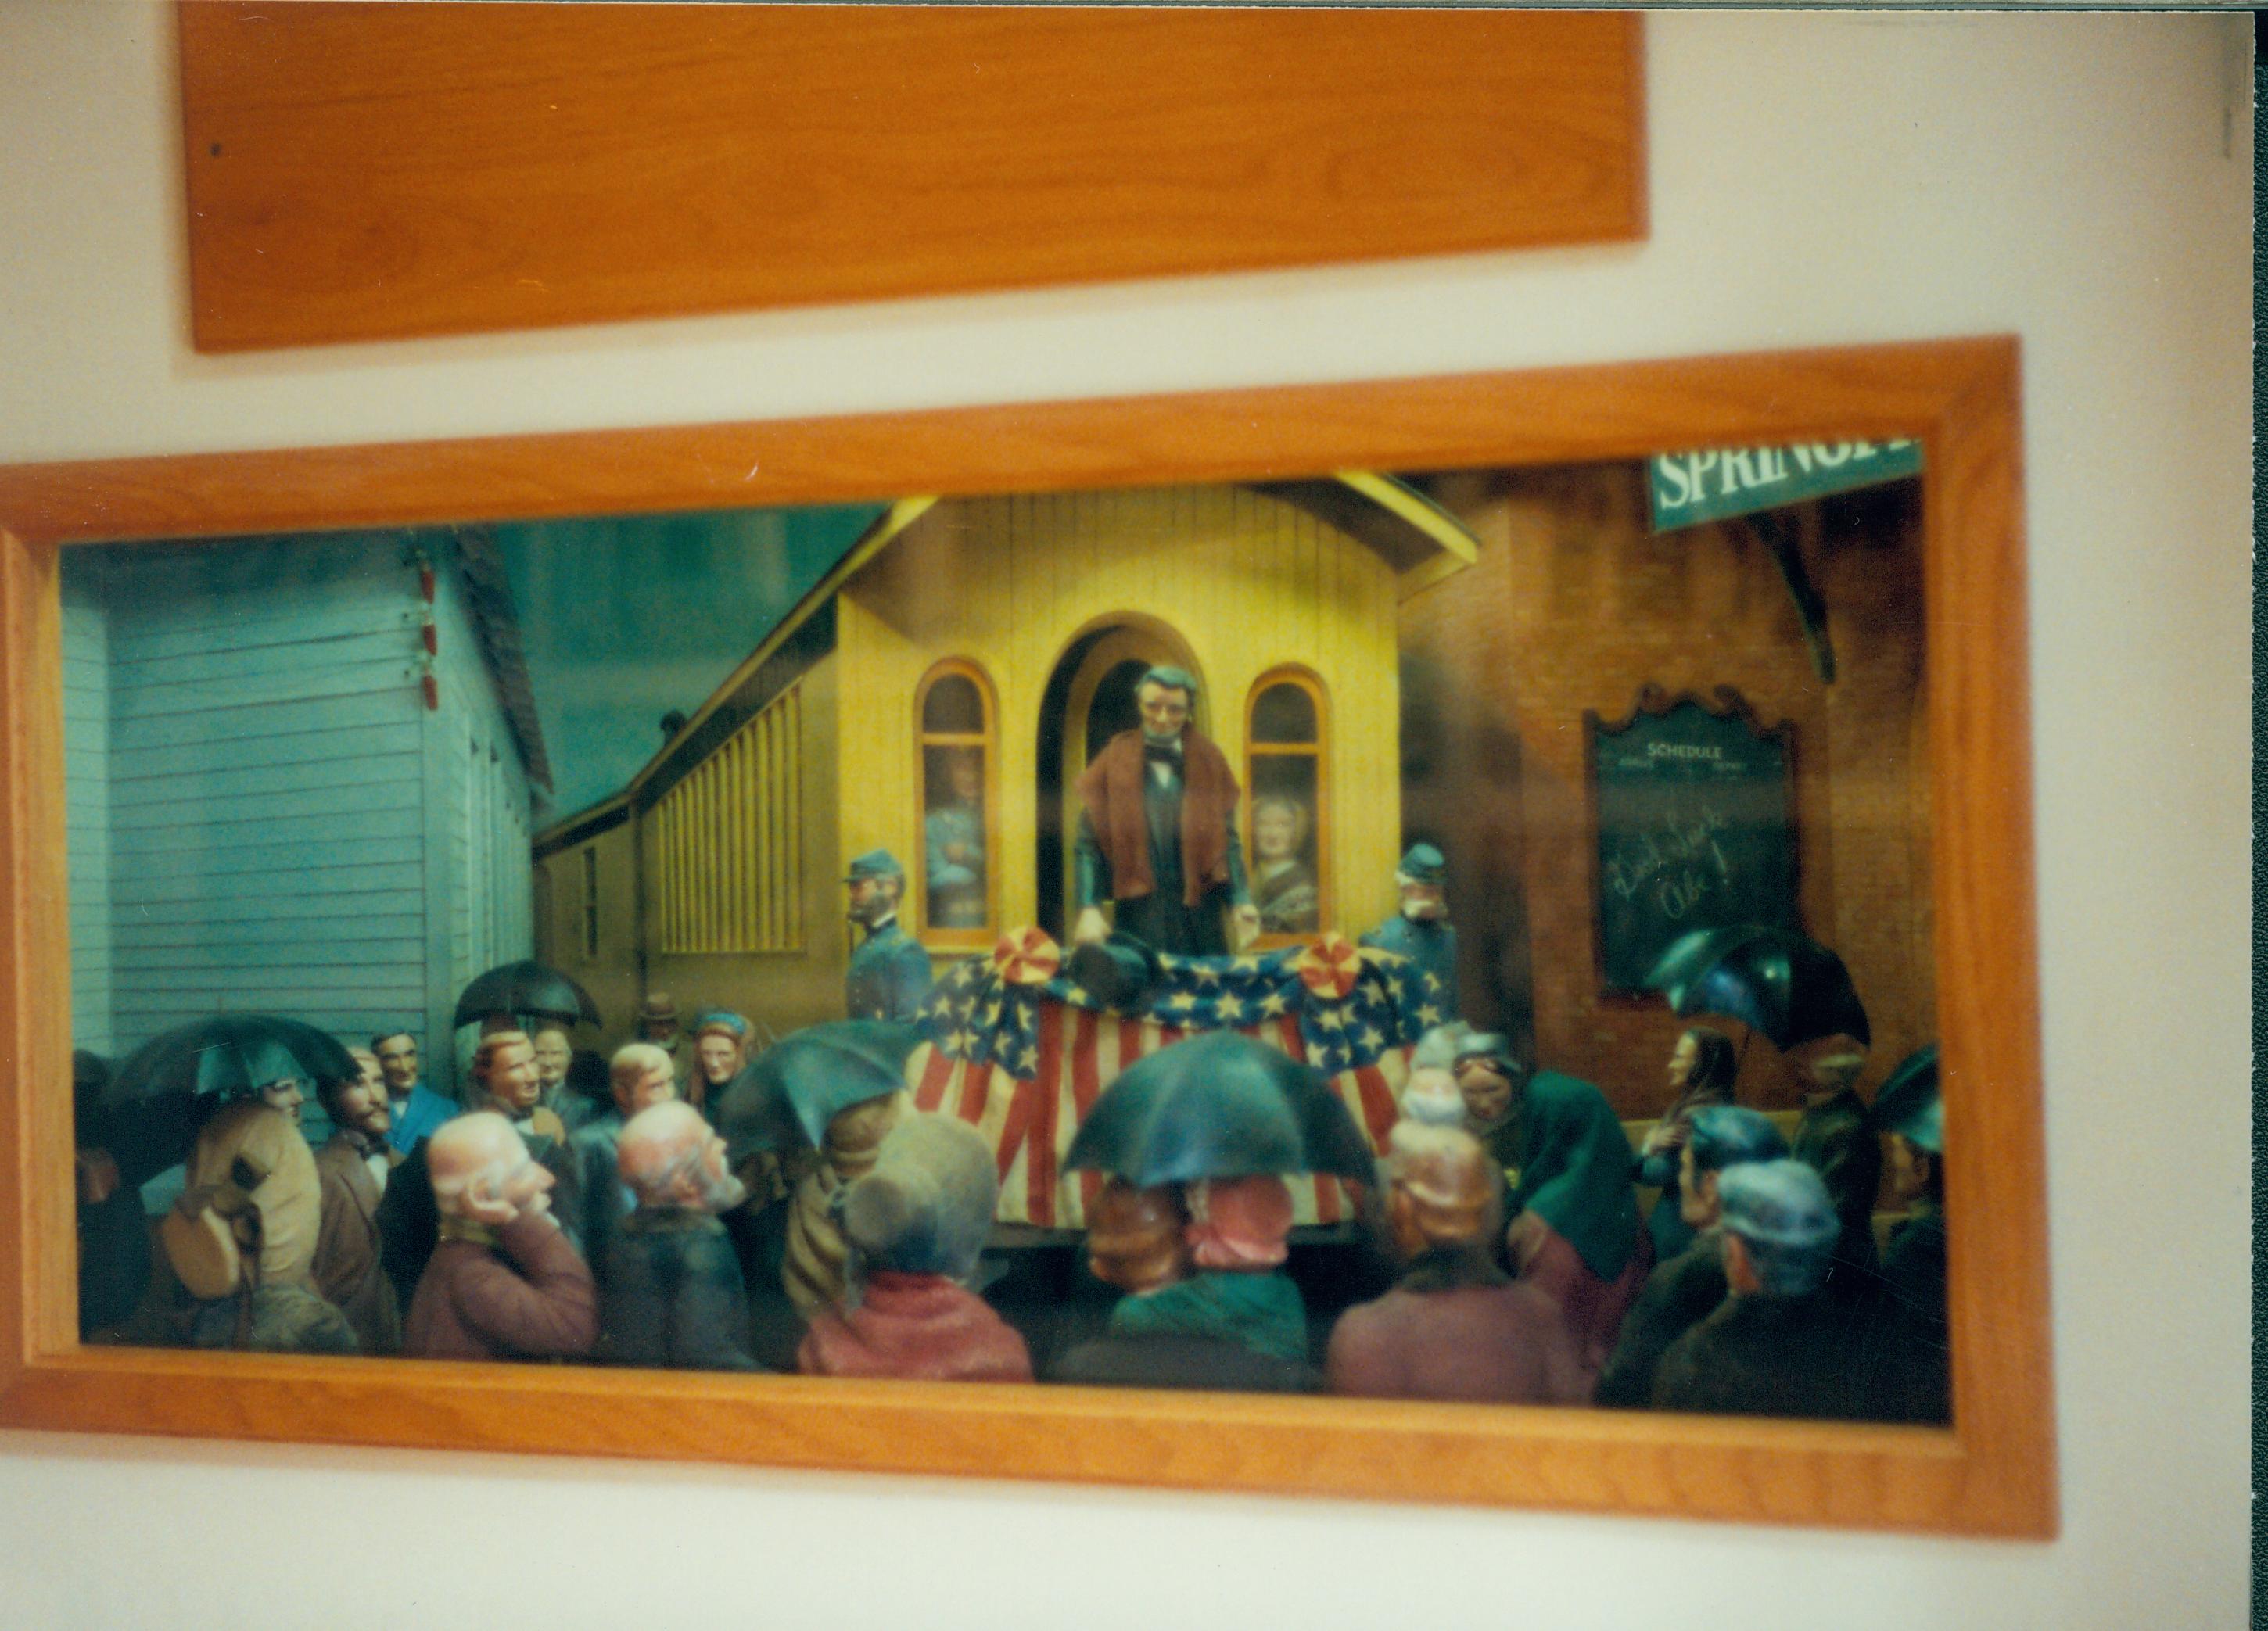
505	1282
503	1081
673	1293
1779	1344
1456	1326
641	1075
1156	832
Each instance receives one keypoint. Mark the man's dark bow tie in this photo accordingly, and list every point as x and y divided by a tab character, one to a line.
1153	754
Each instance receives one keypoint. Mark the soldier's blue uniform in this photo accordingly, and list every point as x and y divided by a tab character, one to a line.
1431	947
889	975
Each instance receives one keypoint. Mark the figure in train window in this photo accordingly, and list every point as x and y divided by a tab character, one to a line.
1283	766
956	734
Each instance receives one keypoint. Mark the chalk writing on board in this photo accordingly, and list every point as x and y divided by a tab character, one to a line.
1694	827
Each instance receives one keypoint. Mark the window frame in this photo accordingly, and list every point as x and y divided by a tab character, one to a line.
1306	680
988	740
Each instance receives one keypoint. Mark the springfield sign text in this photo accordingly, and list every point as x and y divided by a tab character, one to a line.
1688	489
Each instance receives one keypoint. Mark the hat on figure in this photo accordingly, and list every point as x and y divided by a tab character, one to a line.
1781	1211
1115	971
1423	864
926	1206
875	863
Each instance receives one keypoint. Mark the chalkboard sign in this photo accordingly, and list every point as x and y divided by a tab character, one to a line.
1693	808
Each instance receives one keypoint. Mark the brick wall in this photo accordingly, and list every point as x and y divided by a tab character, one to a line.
1574	606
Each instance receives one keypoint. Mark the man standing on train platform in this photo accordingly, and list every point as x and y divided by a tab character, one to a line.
1157	833
889	975
414	1109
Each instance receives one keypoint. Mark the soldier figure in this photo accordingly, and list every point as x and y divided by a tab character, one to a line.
888	977
1421	930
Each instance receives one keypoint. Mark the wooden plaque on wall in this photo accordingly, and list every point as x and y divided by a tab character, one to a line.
367	171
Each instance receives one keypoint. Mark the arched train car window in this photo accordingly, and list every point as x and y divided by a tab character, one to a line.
1287	809
959	848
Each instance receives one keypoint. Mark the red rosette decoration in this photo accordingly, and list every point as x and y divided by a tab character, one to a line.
1330	966
1026	956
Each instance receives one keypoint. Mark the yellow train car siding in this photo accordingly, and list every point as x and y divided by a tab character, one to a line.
765	819
730	838
1251	584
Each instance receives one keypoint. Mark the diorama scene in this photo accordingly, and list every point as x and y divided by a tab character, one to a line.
1453	936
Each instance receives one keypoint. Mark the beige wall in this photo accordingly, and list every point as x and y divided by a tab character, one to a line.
1817	180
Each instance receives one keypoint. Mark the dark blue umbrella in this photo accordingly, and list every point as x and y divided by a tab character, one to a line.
158	1094
790	1092
1219	1105
1774	981
529	988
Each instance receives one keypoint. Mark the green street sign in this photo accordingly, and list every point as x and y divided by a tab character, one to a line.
1688	489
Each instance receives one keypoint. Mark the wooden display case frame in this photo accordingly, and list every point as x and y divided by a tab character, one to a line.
1992	1472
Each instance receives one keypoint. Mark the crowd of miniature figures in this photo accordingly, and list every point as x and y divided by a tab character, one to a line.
577	1208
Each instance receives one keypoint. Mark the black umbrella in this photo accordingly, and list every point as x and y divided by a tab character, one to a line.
1908	1102
802	1082
529	988
158	1094
1219	1105
1776	981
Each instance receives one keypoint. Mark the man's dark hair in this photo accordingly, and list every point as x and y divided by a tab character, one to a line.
1715	1062
327	1090
384	1037
1170	678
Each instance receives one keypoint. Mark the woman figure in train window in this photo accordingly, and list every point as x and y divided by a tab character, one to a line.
953	835
1283	883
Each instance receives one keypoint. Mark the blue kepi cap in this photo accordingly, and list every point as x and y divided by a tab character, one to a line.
875	863
1424	864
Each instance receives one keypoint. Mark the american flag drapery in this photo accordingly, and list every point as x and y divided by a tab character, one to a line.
1015	1048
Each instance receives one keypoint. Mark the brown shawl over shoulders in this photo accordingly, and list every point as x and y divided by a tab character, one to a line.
1110	789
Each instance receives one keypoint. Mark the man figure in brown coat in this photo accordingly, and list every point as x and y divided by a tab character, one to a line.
353	1166
1156	832
505	1282
1454	1327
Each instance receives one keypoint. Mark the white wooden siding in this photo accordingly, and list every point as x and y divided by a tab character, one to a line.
253	792
86	796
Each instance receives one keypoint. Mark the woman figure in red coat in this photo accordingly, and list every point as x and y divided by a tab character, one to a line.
915	1226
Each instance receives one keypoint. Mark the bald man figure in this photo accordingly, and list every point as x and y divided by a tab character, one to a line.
673	1293
505	1282
1456	1326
